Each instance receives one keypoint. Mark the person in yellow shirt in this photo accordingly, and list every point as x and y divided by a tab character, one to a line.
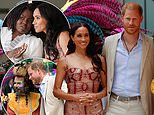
24	100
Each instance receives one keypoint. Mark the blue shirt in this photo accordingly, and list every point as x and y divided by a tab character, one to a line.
127	70
42	86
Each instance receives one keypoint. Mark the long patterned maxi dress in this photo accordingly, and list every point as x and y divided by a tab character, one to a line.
81	81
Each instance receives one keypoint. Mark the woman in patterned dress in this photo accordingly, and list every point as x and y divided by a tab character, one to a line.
84	70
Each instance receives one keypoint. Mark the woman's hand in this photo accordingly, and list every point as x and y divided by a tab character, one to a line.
86	98
91	98
17	52
80	98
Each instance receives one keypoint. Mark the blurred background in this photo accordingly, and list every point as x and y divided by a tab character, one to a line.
148	7
6	5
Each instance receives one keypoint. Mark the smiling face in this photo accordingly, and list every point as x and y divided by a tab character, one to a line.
34	75
39	21
24	22
132	21
81	37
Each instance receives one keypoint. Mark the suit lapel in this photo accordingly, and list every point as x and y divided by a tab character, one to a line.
113	48
113	54
145	49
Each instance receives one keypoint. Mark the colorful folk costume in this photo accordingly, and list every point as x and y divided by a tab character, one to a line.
25	100
19	107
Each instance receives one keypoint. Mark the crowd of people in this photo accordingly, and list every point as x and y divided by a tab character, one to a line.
66	73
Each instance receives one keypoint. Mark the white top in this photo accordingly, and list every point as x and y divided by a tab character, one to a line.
34	49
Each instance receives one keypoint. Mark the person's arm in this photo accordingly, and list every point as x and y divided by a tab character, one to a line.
104	75
60	75
103	93
17	52
63	40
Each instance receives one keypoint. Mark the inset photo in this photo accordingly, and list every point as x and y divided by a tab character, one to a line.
20	88
34	29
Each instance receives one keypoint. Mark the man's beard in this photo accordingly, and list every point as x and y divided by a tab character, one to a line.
20	91
36	81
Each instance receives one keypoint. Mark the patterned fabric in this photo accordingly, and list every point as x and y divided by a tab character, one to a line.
105	13
93	26
20	108
82	81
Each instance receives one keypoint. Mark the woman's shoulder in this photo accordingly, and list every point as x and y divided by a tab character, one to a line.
63	37
64	33
33	38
